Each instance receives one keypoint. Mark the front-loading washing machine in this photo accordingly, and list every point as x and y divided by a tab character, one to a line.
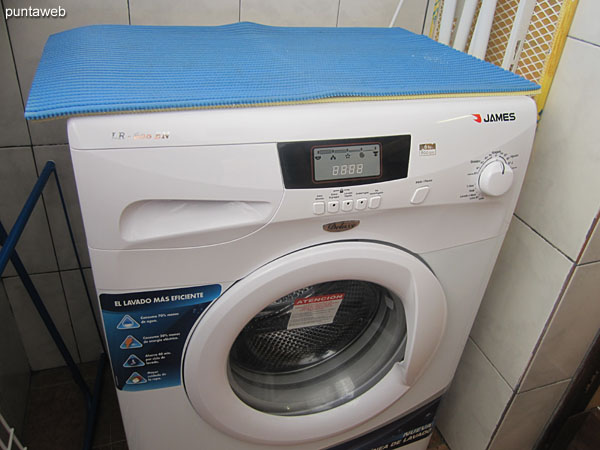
299	276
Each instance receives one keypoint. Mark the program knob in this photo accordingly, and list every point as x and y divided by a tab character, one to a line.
495	177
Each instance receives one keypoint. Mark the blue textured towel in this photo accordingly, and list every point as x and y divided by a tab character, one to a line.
119	68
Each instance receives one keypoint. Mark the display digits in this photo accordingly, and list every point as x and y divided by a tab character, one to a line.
347	169
346	163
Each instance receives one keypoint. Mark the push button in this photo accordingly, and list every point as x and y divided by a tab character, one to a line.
374	202
420	195
319	207
333	206
361	203
347	205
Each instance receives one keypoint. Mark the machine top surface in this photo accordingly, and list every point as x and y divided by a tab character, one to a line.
118	68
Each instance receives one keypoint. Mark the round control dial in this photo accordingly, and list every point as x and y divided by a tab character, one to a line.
495	177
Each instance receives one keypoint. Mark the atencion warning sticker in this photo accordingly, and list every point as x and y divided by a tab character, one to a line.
312	311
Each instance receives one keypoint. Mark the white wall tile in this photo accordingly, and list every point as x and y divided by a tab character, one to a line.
527	416
14	367
17	177
41	350
571	331
585	23
60	233
29	35
521	294
592	248
88	341
184	12
474	403
379	13
291	13
12	123
561	192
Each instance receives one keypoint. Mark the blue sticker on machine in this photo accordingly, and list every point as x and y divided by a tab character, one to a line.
406	430
146	332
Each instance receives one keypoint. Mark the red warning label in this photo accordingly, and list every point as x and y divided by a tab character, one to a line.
312	311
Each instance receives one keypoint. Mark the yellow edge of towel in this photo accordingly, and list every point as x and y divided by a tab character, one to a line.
304	102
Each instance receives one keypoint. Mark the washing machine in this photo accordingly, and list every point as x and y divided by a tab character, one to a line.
298	277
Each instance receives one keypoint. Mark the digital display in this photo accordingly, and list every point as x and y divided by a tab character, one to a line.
346	162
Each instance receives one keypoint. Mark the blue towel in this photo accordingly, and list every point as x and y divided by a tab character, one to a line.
120	68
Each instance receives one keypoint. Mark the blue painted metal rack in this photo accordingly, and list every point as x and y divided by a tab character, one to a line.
8	253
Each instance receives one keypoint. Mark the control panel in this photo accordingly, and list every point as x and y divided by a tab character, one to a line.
426	167
492	175
344	162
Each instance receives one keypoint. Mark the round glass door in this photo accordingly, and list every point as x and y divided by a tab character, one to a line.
314	343
317	347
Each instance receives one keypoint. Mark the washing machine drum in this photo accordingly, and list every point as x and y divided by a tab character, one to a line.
284	362
314	343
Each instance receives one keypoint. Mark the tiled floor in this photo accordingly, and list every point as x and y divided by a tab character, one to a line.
55	417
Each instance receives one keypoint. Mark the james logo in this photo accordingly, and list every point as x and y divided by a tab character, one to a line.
498	117
344	225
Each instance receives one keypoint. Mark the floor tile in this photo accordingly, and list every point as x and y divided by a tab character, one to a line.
437	441
55	418
56	413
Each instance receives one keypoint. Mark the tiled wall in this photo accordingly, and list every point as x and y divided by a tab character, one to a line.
541	310
25	147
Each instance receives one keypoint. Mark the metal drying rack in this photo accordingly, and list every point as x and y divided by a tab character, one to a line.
8	253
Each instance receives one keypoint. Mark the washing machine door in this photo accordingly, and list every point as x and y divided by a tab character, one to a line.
315	342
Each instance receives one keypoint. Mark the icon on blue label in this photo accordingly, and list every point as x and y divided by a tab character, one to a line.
130	342
133	361
127	323
136	378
